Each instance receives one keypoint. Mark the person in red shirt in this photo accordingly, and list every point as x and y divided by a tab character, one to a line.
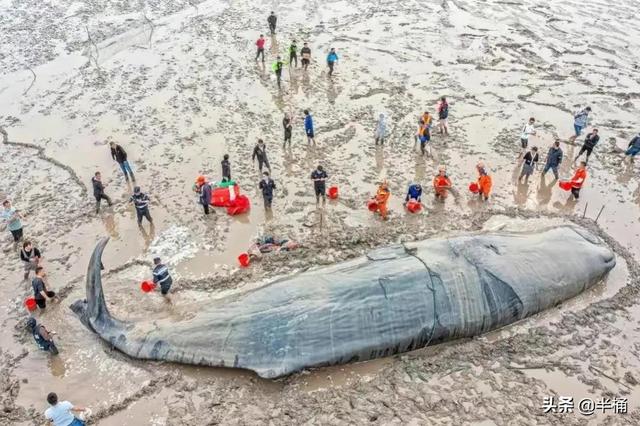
260	45
578	179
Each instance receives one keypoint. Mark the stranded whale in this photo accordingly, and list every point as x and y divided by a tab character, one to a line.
392	300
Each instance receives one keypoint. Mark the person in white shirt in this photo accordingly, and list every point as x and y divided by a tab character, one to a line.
527	131
62	413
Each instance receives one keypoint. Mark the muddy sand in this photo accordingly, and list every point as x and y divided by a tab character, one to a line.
175	83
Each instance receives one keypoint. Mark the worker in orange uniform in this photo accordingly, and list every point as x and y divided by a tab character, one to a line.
382	196
484	181
441	183
578	179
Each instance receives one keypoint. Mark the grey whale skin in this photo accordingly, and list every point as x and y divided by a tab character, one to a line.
392	300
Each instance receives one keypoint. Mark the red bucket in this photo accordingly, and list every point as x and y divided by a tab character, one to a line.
332	192
244	260
147	286
239	206
30	303
414	206
473	187
566	185
372	205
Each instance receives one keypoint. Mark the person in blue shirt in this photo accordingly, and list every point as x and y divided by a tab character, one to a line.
580	121
11	220
161	276
332	58
308	127
414	193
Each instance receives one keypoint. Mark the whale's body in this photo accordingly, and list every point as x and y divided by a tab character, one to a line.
392	300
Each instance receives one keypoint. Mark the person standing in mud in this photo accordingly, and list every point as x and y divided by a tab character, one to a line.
305	53
293	53
40	291
529	164
98	191
443	116
319	178
425	137
226	168
527	131
267	185
288	129
332	58
11	220
161	276
381	130
578	179
272	20
441	184
633	148
484	182
590	142
120	156
204	189
308	127
260	152
141	201
580	122
62	413
554	158
30	257
277	68
260	45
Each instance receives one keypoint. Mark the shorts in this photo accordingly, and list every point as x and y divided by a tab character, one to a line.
527	170
30	266
424	140
443	121
165	286
42	303
17	235
524	142
305	61
586	149
310	135
320	190
578	129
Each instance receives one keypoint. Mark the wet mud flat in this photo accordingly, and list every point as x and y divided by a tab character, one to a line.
176	85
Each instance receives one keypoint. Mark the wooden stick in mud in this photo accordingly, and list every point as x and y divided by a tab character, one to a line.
585	210
599	213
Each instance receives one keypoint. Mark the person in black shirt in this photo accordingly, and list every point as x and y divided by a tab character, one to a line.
226	168
267	185
319	177
98	191
305	53
42	336
120	155
590	142
40	291
141	201
293	53
31	257
288	129
272	19
260	152
530	161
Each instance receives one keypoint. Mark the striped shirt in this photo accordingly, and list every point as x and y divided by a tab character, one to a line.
161	274
141	201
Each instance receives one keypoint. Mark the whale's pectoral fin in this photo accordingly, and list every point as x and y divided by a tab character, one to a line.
503	303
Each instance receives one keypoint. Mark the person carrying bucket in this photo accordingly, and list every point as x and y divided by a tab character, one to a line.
414	193
161	276
40	291
484	182
382	197
578	179
441	183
